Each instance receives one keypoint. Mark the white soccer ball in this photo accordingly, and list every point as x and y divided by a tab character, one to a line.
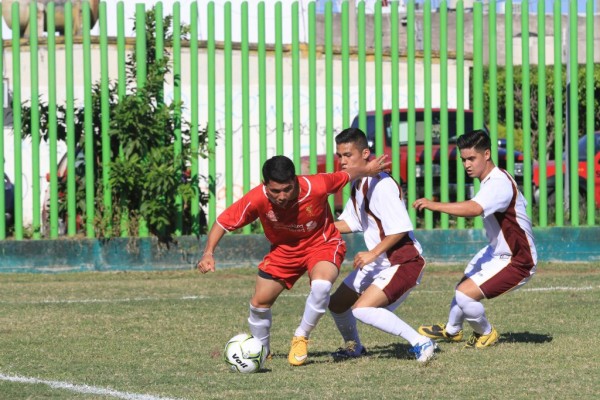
244	353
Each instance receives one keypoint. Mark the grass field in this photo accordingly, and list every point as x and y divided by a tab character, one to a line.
160	335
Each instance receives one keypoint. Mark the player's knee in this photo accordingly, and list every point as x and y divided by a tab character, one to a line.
319	290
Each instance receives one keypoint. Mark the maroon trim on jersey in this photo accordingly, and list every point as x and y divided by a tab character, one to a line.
515	236
404	249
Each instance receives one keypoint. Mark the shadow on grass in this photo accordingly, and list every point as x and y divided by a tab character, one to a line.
525	337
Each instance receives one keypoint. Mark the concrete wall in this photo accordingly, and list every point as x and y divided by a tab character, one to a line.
119	254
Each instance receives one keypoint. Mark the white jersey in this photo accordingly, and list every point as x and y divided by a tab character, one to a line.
507	226
376	209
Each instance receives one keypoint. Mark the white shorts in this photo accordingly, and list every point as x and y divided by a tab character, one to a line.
496	275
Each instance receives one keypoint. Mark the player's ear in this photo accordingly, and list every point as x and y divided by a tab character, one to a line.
366	153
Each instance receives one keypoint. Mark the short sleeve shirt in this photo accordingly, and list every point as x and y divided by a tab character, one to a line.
507	226
306	223
376	208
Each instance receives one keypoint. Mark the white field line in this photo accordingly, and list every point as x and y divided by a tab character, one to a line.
192	297
85	389
123	300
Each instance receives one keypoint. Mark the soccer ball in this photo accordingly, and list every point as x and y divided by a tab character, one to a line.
244	353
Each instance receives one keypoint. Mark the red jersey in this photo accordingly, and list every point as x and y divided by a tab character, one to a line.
301	225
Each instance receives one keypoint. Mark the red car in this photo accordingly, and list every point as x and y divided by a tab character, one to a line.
581	169
386	136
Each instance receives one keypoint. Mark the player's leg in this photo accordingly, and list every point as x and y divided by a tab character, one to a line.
452	331
340	309
392	288
496	276
266	291
322	275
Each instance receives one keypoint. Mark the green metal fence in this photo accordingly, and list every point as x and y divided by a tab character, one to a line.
295	94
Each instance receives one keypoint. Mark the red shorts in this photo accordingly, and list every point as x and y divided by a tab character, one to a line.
289	267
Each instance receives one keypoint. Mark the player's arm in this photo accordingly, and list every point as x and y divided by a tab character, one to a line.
467	208
342	226
207	262
372	168
363	258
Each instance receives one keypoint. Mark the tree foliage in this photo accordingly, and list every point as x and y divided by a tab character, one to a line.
146	175
550	102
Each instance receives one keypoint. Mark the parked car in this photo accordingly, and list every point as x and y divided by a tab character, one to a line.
581	171
386	136
9	200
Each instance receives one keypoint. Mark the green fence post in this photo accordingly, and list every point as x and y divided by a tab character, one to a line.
279	80
541	123
245	101
395	79
573	120
52	124
121	87
493	80
477	105
262	84
379	143
178	141
460	103
211	128
346	117
444	166
362	62
194	128
105	110
140	57
428	148
90	192
228	84
2	170
17	124
589	107
509	87
411	156
558	117
297	135
329	147
526	109
312	89
35	119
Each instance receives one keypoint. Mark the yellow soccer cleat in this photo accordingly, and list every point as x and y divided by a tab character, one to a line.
438	332
480	341
299	351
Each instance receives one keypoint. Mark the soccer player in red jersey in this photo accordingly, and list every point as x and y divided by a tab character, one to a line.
298	222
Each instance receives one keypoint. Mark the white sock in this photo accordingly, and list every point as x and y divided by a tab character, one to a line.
456	318
316	305
346	324
474	313
260	325
389	322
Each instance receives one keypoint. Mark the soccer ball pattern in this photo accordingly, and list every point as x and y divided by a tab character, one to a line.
244	353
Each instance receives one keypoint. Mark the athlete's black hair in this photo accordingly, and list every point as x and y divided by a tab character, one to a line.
279	169
477	139
353	135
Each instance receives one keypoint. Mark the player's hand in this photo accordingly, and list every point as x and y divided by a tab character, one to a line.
206	264
364	258
421	204
380	164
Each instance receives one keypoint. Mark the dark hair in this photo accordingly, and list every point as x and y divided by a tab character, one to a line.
353	135
477	139
279	169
